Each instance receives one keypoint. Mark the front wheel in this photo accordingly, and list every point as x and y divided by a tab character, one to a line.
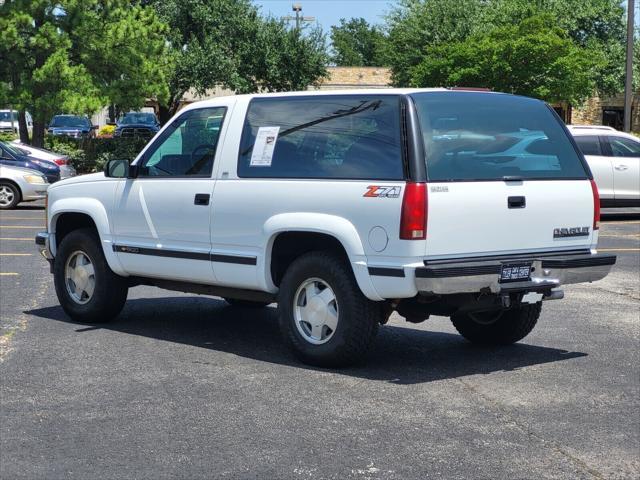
324	316
503	327
86	287
9	196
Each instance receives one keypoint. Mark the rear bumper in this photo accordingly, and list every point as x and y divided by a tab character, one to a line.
548	271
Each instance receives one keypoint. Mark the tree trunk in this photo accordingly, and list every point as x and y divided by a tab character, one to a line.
38	133
22	127
166	112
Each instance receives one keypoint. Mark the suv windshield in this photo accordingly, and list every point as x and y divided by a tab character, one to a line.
138	117
486	136
69	121
6	116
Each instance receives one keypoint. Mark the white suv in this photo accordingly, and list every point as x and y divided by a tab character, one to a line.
341	207
614	159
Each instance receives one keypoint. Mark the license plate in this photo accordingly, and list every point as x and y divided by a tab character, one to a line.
515	272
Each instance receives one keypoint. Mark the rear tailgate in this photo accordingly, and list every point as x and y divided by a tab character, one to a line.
503	176
474	218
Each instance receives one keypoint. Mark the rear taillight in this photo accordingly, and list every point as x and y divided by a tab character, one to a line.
413	220
596	205
61	161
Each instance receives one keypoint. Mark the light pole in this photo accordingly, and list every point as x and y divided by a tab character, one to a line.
299	18
628	83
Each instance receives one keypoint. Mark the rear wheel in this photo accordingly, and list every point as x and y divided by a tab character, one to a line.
9	196
324	316
498	328
86	287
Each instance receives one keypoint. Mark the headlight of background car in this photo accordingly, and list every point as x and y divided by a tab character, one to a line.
36	179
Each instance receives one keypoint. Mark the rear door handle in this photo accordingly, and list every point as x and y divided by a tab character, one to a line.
517	202
201	199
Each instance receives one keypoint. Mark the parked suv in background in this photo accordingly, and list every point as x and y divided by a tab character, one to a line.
71	126
137	124
9	121
341	207
614	159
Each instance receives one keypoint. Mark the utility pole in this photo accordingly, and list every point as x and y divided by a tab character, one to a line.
299	18
628	83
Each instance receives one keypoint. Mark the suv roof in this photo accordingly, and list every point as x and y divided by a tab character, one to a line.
577	130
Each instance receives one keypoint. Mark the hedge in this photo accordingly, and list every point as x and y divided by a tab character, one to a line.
90	154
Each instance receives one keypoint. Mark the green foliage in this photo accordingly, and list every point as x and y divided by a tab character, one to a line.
536	58
76	56
358	44
227	43
418	28
89	155
7	137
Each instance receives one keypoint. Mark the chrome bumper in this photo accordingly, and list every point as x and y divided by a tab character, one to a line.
548	271
42	244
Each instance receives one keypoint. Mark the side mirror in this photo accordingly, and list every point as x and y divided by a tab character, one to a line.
94	127
120	169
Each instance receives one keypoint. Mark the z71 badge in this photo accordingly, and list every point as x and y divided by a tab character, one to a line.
382	192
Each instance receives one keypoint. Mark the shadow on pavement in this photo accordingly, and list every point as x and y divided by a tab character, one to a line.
401	355
26	206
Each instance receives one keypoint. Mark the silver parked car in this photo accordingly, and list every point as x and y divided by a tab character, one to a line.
614	160
19	184
66	169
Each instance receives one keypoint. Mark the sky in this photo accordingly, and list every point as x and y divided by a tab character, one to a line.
329	12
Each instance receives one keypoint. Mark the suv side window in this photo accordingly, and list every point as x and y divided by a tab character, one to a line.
588	144
337	136
187	147
624	147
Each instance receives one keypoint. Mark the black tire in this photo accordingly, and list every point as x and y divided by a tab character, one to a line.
110	291
235	302
358	317
509	327
15	191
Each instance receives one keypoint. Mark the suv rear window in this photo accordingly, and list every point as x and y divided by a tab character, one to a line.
327	136
485	136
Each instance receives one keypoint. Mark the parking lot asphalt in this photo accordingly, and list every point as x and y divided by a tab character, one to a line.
182	386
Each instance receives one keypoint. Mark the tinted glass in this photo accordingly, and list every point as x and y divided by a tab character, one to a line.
624	147
139	117
69	121
486	136
187	147
8	116
588	144
346	136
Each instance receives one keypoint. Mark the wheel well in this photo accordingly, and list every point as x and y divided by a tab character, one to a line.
6	180
290	245
68	222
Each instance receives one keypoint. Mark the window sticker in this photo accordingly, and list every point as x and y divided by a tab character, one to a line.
262	154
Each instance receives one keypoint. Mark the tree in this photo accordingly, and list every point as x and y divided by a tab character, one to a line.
417	26
76	56
536	58
358	44
227	43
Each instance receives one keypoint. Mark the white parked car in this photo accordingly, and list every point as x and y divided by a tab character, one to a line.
20	185
66	169
9	121
614	159
341	207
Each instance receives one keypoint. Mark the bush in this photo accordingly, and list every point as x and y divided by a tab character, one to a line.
7	137
89	155
107	131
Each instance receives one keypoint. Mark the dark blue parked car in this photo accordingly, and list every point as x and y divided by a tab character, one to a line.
71	126
12	157
137	124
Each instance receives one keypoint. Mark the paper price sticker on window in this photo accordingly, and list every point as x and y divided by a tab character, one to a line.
262	154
